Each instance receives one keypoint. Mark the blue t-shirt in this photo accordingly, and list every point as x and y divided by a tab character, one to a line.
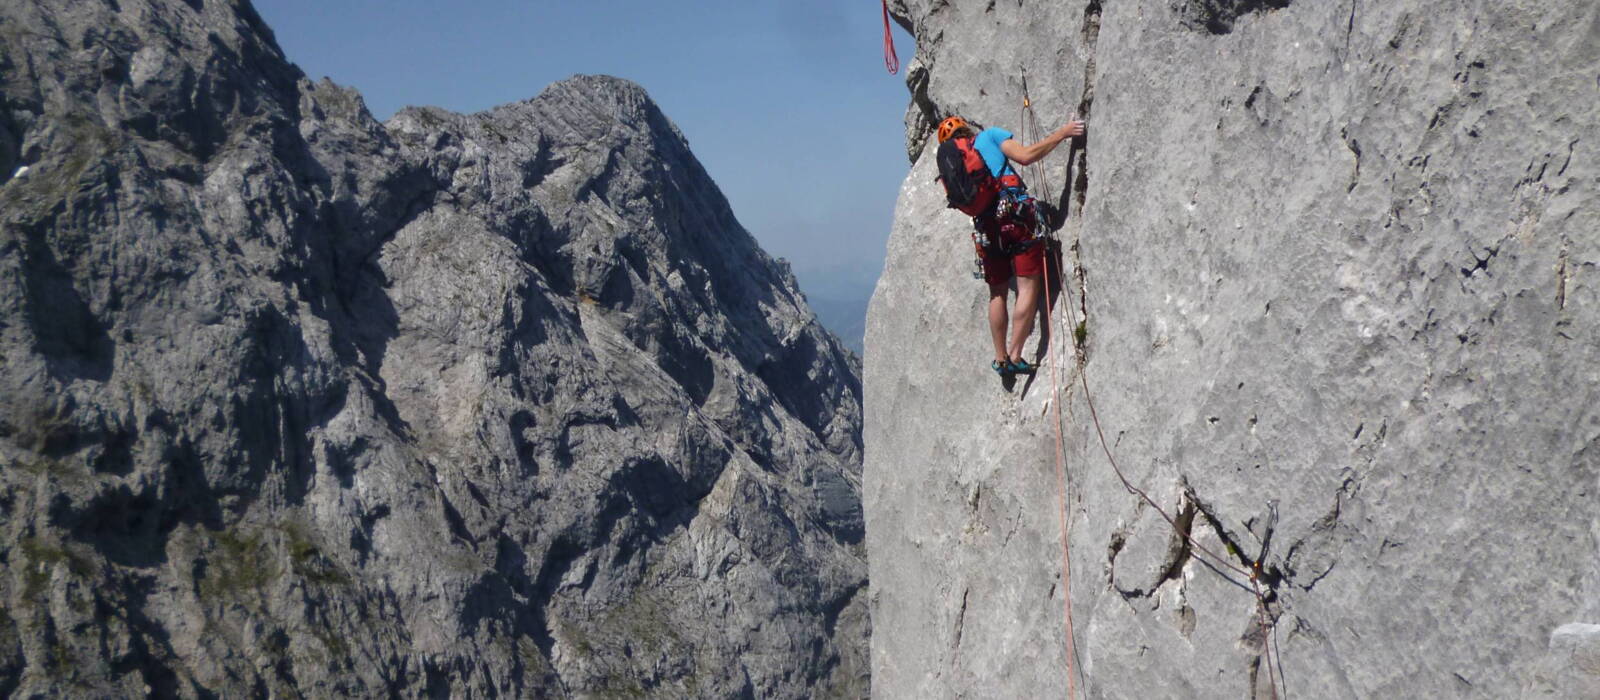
988	144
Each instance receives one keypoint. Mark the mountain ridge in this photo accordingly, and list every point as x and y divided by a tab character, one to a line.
455	404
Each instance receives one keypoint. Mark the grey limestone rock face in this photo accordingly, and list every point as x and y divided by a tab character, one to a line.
1572	668
298	403
1337	262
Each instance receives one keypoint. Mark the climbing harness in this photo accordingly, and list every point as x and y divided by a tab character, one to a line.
1030	130
1012	207
890	60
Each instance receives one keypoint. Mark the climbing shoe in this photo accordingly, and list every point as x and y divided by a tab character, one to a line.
1020	367
1000	368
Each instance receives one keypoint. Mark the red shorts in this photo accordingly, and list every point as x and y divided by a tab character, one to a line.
998	267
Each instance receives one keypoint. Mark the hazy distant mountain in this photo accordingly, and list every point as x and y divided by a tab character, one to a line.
846	317
839	293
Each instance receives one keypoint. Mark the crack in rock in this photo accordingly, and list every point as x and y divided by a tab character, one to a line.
1218	16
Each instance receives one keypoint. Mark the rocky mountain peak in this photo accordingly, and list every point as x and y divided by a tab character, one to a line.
302	403
592	106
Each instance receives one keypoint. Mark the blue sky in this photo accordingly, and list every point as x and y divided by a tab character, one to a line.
787	104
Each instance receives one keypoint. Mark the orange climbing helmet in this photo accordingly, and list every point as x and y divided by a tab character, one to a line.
949	126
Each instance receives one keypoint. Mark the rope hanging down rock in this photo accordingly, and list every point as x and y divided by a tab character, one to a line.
890	60
1036	172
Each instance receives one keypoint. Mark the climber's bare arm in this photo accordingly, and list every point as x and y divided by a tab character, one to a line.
1031	153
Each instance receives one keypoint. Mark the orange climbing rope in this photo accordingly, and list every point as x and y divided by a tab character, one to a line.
1252	574
890	60
1030	134
1061	500
1036	172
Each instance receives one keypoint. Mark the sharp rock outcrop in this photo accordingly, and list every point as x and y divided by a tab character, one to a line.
1337	262
298	403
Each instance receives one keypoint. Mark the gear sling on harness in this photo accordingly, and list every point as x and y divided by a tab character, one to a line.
994	230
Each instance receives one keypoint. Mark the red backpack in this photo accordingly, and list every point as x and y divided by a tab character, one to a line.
968	184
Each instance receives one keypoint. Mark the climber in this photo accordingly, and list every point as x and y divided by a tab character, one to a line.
1010	250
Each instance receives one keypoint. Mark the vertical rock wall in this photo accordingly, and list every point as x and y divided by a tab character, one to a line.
1337	262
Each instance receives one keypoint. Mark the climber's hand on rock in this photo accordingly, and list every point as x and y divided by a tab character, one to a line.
1073	127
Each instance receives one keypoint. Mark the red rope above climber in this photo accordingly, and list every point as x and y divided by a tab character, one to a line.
890	60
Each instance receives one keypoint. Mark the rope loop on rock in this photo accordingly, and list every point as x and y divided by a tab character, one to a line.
890	60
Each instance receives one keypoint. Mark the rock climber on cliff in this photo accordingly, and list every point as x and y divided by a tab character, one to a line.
1005	222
